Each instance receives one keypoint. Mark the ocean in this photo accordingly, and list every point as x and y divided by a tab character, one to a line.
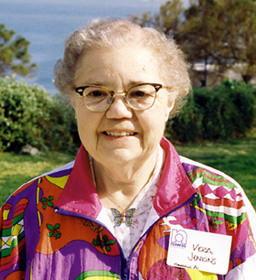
47	23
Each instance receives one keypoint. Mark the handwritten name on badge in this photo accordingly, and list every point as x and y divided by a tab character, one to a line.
209	252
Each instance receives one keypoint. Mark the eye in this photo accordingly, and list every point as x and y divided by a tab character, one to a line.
141	92
95	93
137	94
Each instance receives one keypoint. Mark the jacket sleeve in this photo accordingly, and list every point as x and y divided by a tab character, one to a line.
247	269
17	217
228	211
243	256
12	240
243	252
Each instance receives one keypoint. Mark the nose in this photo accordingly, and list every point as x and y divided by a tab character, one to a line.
119	108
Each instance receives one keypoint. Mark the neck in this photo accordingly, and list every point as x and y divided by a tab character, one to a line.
118	186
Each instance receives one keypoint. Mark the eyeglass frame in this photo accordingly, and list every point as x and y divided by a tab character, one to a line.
123	93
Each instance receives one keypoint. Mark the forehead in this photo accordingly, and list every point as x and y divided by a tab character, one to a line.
128	63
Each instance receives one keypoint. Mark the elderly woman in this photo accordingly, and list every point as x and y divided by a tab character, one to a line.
128	205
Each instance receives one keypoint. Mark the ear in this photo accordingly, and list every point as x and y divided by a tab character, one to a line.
72	96
73	101
170	103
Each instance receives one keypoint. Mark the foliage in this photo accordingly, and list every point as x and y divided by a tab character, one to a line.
222	33
168	20
14	55
216	32
29	115
223	112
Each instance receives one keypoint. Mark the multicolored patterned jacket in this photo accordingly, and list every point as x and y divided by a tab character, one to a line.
50	227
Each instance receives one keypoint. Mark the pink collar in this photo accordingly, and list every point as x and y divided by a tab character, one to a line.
79	195
174	187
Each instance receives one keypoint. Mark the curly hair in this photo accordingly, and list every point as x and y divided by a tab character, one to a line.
113	33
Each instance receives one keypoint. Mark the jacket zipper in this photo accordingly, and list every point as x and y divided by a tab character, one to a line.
125	270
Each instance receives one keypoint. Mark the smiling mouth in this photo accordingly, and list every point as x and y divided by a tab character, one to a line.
119	134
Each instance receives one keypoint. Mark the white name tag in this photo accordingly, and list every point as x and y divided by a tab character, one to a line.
199	250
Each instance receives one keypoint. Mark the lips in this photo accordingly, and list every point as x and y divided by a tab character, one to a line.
119	133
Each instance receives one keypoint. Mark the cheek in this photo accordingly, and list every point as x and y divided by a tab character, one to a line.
87	126
83	131
161	113
88	135
154	125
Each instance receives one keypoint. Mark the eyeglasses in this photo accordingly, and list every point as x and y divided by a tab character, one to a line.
139	97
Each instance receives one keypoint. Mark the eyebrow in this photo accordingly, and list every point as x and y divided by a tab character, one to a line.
94	83
108	84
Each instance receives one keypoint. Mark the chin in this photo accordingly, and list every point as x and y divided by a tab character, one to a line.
122	156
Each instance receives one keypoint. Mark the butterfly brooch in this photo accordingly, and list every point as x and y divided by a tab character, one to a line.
120	218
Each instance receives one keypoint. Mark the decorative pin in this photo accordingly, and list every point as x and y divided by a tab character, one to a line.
120	218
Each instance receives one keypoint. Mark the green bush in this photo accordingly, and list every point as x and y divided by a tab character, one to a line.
223	112
29	115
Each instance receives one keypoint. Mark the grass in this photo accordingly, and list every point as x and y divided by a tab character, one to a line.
236	158
16	169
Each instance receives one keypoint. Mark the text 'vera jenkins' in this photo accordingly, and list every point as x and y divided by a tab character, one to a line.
202	254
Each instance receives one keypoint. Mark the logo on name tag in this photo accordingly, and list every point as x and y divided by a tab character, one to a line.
179	238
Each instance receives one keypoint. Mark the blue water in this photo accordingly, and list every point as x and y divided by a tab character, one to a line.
47	23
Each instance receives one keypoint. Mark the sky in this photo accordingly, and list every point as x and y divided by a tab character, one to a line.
47	23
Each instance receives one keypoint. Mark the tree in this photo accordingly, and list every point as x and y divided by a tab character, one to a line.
241	23
222	33
168	20
14	55
201	37
216	32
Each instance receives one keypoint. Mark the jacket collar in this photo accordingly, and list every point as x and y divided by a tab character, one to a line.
79	195
175	188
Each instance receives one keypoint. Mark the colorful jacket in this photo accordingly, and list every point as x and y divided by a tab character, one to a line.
50	227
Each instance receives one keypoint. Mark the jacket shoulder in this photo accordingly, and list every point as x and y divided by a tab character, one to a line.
56	176
200	173
219	191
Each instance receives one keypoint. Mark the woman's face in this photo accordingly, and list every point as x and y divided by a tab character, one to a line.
120	134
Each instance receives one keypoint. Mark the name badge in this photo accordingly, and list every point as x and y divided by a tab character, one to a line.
209	252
